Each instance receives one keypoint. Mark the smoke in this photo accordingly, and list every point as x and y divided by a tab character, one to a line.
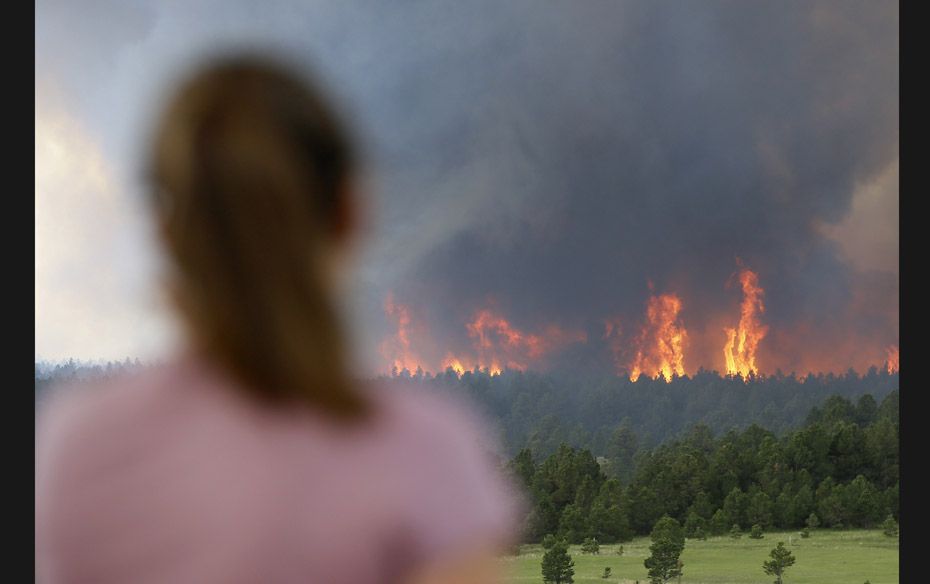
552	159
657	142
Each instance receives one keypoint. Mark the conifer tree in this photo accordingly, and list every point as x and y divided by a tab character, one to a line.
557	566
782	558
668	541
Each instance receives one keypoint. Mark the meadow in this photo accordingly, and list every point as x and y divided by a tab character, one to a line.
827	557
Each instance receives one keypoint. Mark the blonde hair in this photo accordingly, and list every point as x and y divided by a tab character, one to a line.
250	169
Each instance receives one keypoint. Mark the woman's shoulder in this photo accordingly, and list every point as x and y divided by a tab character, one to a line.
443	437
452	464
87	411
432	415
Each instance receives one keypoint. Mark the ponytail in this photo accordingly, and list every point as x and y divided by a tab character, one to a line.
250	167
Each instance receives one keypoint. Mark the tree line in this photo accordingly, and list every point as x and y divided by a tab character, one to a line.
584	409
51	375
840	469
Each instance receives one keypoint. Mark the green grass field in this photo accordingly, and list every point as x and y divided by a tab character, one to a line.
827	557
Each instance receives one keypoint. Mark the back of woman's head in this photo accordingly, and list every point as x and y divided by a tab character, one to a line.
251	169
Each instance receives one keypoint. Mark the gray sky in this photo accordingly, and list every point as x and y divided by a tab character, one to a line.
546	159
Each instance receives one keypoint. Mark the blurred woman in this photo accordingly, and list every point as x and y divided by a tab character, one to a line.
252	456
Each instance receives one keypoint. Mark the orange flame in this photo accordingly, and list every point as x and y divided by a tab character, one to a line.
496	340
487	323
396	349
660	345
459	365
454	363
740	348
892	361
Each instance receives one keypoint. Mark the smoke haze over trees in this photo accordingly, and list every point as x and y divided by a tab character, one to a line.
601	412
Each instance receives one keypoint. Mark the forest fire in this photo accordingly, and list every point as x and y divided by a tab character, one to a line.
460	365
496	340
491	343
740	348
892	359
492	332
660	344
496	344
396	349
451	362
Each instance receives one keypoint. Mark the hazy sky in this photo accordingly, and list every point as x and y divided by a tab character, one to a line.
550	159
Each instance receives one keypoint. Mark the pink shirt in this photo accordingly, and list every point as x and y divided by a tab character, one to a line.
172	476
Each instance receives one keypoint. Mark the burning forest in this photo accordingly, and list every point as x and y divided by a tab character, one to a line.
657	347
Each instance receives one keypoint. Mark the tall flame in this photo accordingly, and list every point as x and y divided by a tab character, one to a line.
892	361
660	345
496	340
454	363
657	349
490	331
740	348
497	344
396	349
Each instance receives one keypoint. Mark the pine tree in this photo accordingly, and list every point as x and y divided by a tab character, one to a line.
523	468
557	566
590	546
718	523
890	527
756	532
782	558
668	541
812	521
735	533
694	525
